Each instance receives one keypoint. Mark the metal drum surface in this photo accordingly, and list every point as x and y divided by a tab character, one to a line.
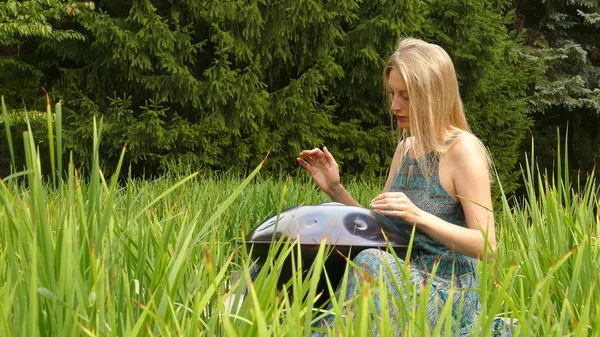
346	229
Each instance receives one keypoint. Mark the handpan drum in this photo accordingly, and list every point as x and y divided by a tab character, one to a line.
346	229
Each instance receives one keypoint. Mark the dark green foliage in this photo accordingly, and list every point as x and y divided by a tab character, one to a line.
493	75
217	84
18	124
364	139
564	35
32	45
236	86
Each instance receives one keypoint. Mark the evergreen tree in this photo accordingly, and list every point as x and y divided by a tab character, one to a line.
493	74
217	84
565	35
31	47
28	30
232	86
365	138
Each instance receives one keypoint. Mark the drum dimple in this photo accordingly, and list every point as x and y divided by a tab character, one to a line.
267	226
360	224
311	223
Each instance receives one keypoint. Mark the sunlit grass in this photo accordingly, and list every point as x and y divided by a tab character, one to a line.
92	256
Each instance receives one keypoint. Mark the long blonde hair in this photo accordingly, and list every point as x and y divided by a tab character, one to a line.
436	112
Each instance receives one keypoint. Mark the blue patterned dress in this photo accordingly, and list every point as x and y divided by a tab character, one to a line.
453	269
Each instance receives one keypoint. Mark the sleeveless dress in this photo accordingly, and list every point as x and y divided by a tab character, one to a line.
453	269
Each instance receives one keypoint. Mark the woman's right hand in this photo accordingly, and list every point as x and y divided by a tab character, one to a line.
322	168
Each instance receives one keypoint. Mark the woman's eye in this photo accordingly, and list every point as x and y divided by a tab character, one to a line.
391	95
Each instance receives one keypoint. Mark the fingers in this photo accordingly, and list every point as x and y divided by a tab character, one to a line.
328	154
312	156
388	195
305	164
390	205
317	157
389	212
386	205
311	153
390	201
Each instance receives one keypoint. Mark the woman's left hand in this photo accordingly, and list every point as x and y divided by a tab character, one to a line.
397	204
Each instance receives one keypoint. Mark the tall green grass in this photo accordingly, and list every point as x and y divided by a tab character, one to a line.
550	240
89	256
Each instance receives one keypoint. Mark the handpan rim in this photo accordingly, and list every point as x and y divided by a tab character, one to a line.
317	244
336	224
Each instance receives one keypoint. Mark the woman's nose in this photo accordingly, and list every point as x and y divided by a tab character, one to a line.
396	106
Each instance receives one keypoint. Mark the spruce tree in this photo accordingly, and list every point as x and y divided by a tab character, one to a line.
218	84
31	47
493	74
232	86
564	35
28	32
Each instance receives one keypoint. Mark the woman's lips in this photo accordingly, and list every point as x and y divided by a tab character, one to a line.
402	118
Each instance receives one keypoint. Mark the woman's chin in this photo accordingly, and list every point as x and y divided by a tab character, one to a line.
405	126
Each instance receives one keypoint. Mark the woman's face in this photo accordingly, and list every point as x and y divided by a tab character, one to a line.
398	95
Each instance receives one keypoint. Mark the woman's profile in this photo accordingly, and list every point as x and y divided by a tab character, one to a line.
439	182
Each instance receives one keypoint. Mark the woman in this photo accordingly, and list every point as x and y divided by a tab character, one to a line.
439	182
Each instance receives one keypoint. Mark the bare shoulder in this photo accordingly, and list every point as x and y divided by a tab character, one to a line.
467	148
468	159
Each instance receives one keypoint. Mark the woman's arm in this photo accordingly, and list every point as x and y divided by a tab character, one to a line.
467	162
339	194
324	171
471	178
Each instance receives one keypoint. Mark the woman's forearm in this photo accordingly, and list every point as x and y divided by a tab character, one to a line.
463	240
339	194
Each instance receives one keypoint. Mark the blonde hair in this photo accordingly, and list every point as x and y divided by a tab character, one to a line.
436	112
